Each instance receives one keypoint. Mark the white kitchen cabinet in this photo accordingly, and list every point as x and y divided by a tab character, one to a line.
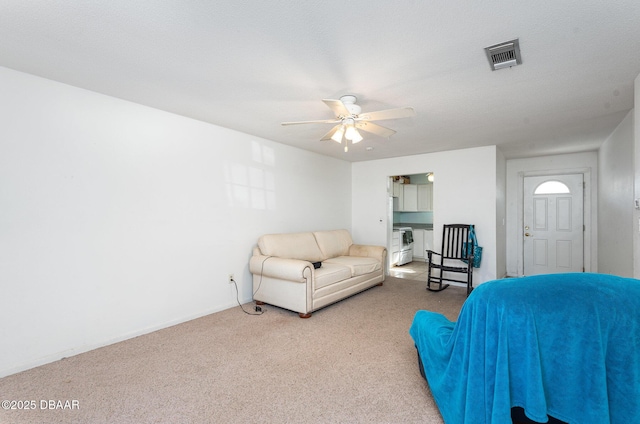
413	197
410	201
398	191
418	244
425	197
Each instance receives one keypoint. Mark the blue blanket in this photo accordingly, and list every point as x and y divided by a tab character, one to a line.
564	345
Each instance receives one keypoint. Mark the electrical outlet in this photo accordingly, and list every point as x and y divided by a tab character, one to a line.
231	280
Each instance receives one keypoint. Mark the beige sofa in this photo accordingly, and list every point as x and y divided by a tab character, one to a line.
284	274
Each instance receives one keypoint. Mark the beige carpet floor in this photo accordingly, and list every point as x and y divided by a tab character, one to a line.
351	362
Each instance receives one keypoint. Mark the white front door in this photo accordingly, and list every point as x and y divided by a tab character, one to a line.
553	224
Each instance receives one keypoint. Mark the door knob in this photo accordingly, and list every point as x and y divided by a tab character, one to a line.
527	234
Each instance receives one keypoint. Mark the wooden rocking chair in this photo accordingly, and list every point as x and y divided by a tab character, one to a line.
456	257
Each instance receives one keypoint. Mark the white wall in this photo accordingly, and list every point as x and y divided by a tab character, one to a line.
516	168
117	219
501	215
464	191
636	213
615	204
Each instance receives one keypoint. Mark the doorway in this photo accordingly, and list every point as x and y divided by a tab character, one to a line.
410	206
553	224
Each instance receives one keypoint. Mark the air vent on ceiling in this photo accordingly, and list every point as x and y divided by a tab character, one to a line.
504	55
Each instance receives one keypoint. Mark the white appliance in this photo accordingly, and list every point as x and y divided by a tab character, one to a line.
405	254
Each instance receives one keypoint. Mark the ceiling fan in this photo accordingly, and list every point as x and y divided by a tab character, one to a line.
349	119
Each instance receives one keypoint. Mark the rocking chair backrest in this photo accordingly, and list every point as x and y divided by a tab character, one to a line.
455	239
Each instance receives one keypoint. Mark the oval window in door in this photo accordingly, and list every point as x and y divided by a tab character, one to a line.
552	187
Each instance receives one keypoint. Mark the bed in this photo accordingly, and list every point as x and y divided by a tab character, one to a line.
565	346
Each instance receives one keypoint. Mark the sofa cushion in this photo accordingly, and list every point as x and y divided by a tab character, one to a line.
333	243
357	264
302	246
330	273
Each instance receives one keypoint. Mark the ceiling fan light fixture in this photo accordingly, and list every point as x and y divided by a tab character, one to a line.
337	136
352	134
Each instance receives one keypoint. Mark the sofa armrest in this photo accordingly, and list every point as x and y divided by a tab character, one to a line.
377	252
281	268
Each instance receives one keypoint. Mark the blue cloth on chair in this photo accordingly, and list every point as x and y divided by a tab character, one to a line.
563	345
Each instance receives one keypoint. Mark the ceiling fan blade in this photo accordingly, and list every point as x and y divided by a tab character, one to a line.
330	134
321	121
403	112
337	107
375	129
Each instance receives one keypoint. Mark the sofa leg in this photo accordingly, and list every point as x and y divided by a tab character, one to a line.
259	303
379	284
308	315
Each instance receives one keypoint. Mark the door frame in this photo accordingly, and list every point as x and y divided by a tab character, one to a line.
587	202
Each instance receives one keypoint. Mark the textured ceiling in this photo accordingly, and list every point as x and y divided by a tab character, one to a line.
249	65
